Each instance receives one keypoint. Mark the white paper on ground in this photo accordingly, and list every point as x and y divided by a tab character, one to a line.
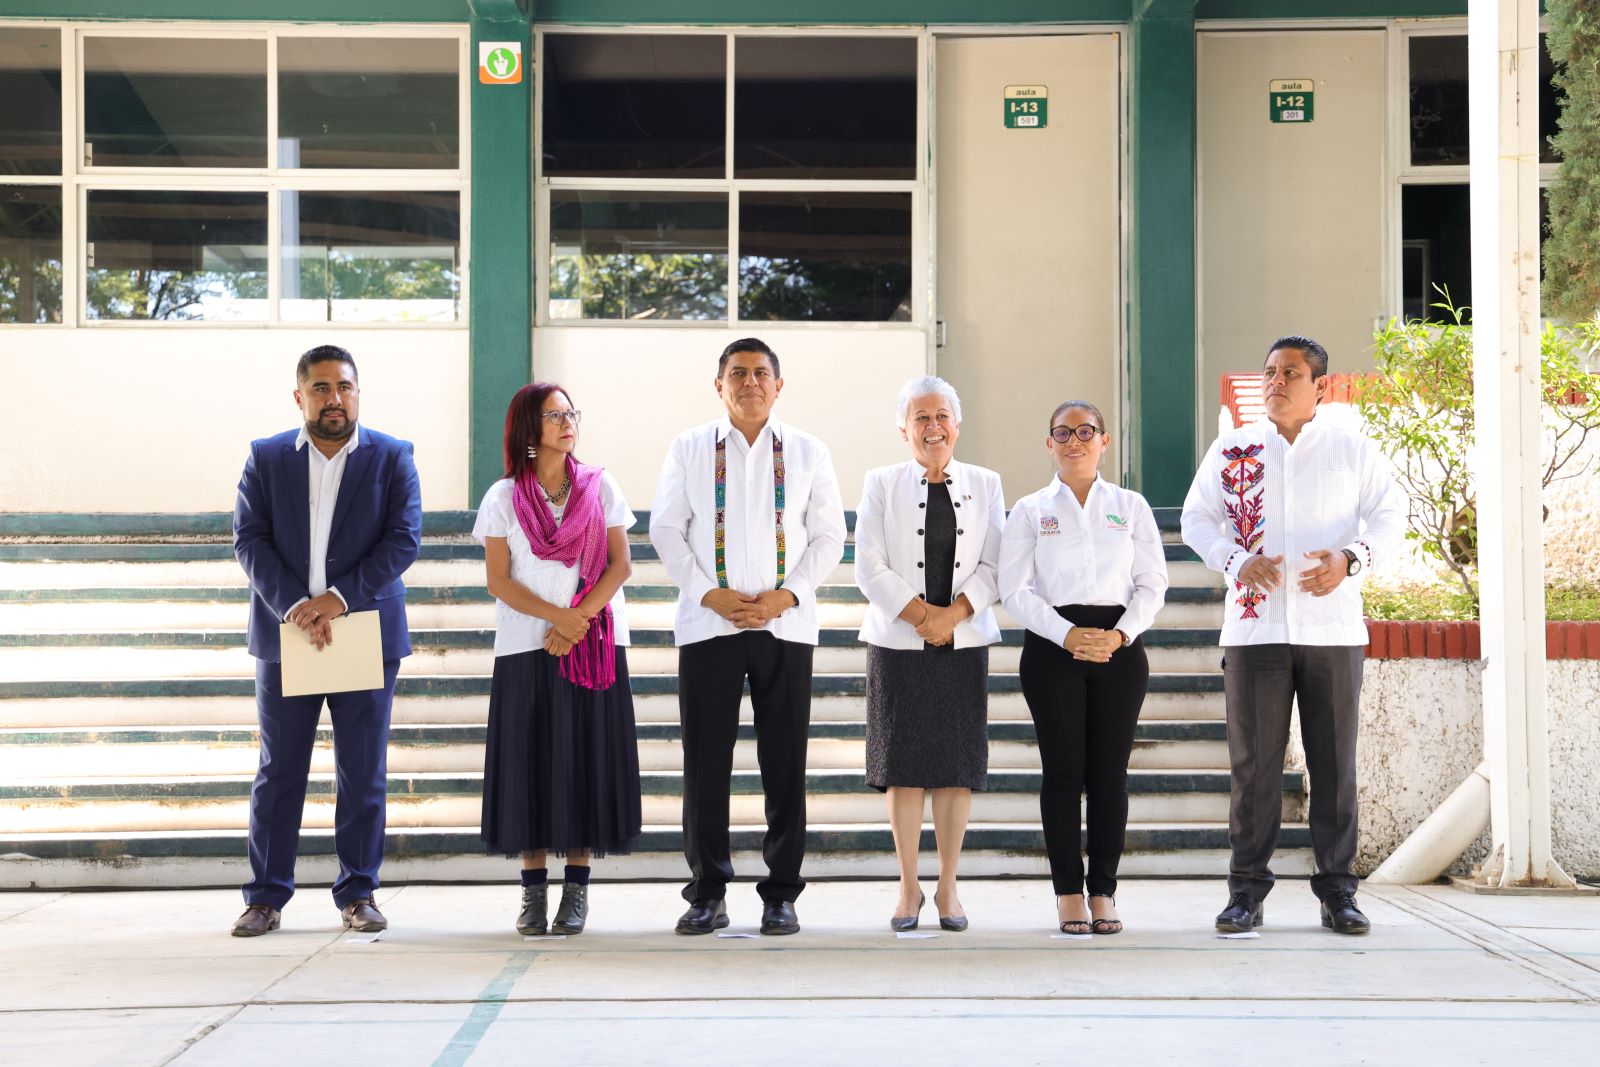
362	939
544	937
1072	937
727	933
912	935
1238	937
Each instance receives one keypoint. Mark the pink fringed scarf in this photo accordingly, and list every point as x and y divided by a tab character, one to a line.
579	539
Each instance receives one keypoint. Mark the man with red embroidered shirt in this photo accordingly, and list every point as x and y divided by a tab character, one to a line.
1292	510
748	521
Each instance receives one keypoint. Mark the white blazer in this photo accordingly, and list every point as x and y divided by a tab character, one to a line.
889	550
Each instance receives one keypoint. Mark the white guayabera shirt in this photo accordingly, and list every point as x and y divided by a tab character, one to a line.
1257	494
683	525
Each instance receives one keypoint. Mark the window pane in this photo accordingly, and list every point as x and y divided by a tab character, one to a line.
30	253
825	107
1439	101
625	255
176	255
30	85
368	102
635	106
174	102
1436	230
371	257
839	257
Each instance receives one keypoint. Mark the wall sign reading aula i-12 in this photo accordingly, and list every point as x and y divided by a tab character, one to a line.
1027	107
1290	99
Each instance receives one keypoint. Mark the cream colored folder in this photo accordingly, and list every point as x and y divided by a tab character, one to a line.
352	660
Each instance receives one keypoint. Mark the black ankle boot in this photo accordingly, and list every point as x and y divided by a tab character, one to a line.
535	902
574	909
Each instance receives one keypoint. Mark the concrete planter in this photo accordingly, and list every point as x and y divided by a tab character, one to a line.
1422	733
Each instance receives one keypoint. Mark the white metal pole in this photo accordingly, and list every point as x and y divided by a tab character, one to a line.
1503	70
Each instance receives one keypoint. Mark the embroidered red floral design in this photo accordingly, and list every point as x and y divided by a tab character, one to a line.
1243	480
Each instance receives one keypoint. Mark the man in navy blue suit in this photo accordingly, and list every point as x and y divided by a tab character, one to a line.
328	519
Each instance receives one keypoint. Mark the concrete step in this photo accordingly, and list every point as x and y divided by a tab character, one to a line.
456	854
37	756
33	663
162	710
423	801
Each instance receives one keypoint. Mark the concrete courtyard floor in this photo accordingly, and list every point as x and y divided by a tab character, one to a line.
152	977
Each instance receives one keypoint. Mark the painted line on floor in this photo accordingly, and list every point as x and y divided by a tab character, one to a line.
485	1011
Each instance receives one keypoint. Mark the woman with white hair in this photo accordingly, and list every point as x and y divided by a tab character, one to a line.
928	537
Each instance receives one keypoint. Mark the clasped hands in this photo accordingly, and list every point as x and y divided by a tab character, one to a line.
315	617
938	624
1092	644
568	626
749	611
1265	573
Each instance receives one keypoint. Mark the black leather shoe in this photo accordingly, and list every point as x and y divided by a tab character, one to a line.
257	920
574	909
703	917
901	923
778	917
1340	914
1242	915
535	905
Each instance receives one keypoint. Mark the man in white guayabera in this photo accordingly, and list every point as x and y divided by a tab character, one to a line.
1293	510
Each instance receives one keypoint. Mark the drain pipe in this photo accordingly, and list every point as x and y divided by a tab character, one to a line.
1442	837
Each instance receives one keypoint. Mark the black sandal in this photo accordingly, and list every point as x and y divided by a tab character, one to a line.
1076	927
1105	926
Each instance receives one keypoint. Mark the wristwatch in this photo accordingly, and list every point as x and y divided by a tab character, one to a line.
1352	563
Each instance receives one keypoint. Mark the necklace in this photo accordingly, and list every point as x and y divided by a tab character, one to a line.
551	498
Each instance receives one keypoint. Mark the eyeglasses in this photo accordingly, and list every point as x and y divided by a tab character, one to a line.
1087	432
556	418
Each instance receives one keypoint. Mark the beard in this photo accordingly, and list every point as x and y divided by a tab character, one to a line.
336	430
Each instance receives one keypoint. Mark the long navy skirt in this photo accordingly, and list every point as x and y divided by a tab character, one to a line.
561	766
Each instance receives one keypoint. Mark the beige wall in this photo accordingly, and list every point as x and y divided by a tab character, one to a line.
1029	244
639	388
1291	216
160	419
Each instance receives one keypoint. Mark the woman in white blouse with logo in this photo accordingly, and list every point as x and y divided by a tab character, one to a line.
1083	568
927	546
561	763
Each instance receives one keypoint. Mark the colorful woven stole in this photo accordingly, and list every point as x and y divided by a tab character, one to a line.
722	506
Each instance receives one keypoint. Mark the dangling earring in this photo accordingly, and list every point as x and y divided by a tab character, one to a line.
533	453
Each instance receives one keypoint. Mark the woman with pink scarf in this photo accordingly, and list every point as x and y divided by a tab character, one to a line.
561	765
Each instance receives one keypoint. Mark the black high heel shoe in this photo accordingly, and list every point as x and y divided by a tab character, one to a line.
901	923
1105	926
1072	926
953	923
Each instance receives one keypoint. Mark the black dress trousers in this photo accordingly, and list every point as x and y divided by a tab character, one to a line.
711	678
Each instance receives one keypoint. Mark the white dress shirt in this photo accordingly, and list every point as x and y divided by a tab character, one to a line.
889	550
1106	551
546	579
1256	493
684	514
325	476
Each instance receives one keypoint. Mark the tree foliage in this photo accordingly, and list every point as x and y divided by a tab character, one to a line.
1418	407
1572	248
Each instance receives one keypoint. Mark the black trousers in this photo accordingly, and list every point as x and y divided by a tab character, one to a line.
1263	684
711	677
1085	716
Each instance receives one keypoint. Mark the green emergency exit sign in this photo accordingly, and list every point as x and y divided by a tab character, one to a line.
1026	107
1291	99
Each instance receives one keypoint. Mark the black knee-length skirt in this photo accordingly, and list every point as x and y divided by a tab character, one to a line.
561	763
928	718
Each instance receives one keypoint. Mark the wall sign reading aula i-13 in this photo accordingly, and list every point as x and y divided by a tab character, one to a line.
1290	99
1027	107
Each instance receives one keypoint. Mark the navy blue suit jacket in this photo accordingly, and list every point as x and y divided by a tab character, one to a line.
376	535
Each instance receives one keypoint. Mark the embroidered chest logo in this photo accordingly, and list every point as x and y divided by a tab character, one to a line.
1116	522
1244	478
1049	524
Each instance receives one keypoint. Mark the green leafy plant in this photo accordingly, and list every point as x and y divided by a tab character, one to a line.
1572	248
1418	407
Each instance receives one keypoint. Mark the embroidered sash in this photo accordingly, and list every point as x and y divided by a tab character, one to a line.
722	505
